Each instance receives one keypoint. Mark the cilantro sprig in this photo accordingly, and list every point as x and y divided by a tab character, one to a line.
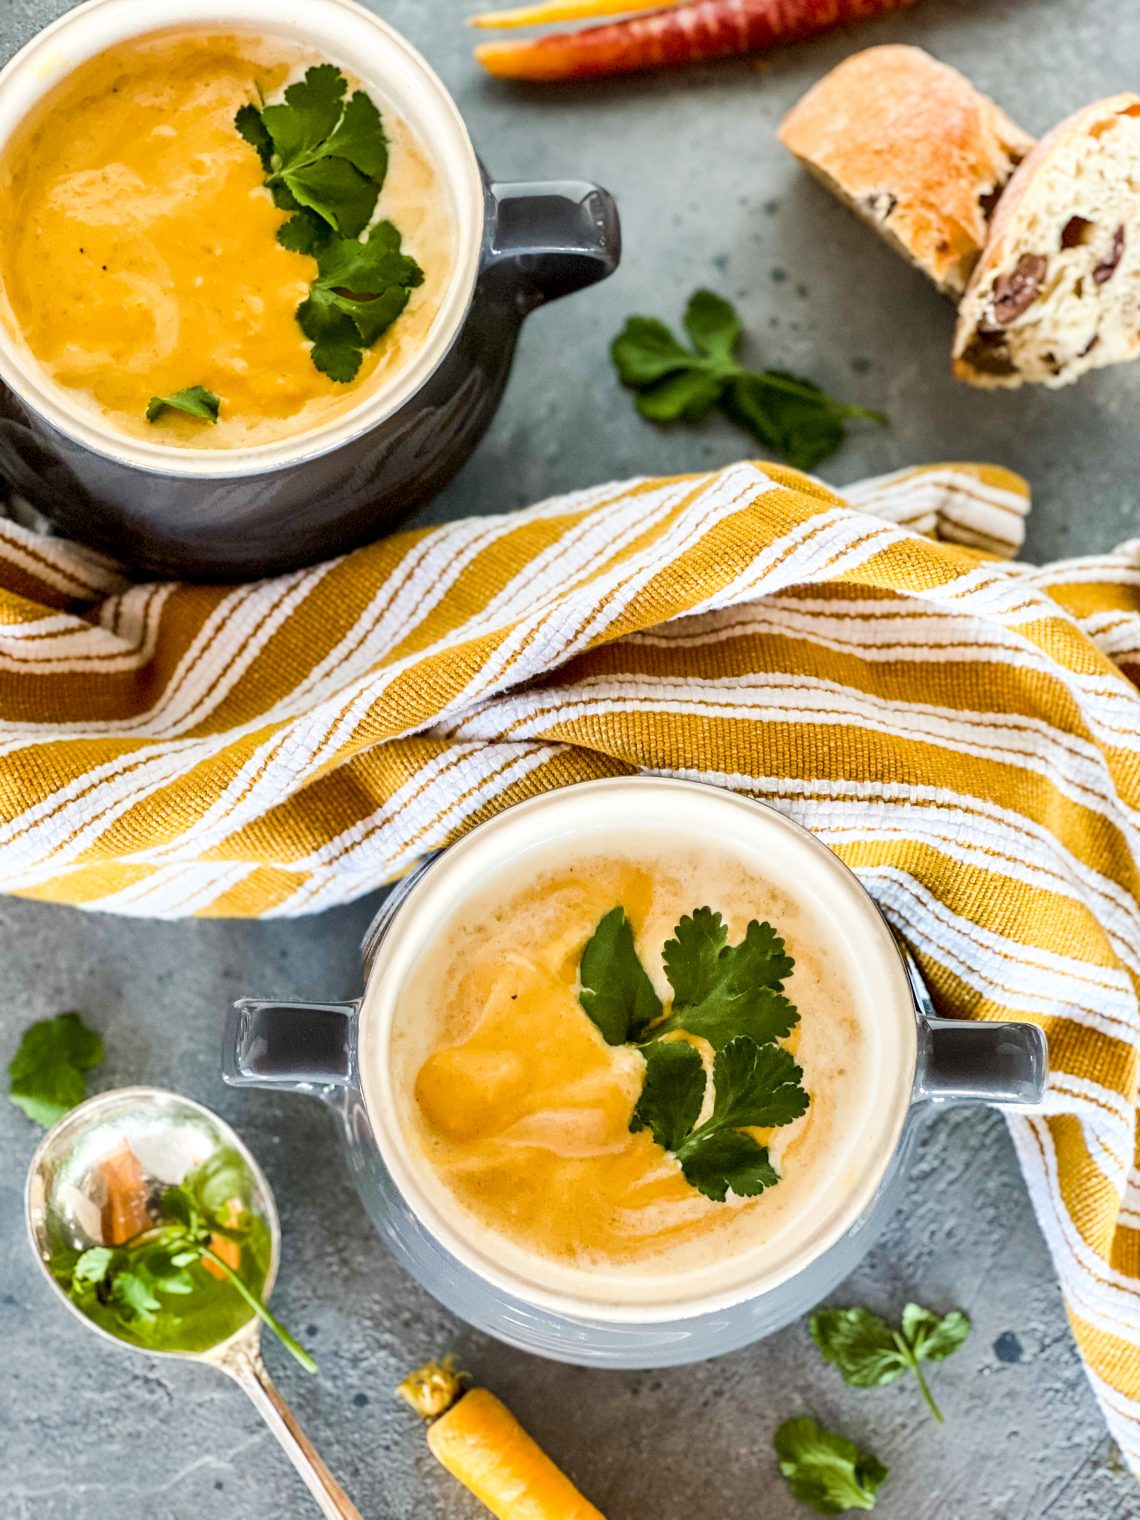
325	160
195	401
869	1353
786	413
319	151
48	1073
825	1470
151	1286
728	995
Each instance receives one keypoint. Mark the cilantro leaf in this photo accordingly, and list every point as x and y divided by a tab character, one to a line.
645	350
794	417
251	127
870	1354
826	1471
712	324
933	1339
614	987
860	1344
47	1074
320	151
362	286
715	1160
724	990
674	1090
196	401
93	1265
757	1086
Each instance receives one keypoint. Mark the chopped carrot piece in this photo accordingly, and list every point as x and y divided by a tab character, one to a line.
564	10
476	1437
125	1197
228	1250
691	33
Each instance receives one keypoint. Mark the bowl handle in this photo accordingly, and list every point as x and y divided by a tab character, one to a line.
967	1061
546	240
298	1047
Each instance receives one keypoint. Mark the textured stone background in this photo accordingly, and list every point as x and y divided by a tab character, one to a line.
707	196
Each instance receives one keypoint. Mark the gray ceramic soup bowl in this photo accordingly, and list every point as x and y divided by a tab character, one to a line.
338	1052
233	514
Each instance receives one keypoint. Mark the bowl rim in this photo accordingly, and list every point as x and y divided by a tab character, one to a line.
396	953
380	53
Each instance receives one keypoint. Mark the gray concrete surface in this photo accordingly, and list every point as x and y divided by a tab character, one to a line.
707	197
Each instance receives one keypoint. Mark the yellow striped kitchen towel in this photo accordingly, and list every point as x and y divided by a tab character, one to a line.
962	730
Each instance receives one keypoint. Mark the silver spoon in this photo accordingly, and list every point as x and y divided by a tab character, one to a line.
169	1135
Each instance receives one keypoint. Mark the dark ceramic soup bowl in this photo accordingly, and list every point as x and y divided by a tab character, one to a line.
237	513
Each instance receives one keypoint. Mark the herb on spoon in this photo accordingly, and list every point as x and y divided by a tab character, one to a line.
826	1471
870	1354
190	1278
728	995
676	384
196	401
48	1074
325	159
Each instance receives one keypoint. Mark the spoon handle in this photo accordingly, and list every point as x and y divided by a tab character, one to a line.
249	1370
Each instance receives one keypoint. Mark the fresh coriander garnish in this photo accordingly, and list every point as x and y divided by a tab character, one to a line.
48	1074
675	384
169	1287
196	401
614	987
825	1471
869	1354
320	151
325	160
754	1086
728	995
362	286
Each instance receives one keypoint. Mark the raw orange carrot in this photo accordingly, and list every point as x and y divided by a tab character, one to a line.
228	1250
691	33
125	1197
480	1442
564	10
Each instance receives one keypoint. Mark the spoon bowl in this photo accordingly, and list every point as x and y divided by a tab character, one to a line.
169	1136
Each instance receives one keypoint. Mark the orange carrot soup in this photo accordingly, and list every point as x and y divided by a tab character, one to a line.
140	261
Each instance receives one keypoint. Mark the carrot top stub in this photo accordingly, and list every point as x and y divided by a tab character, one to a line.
476	1437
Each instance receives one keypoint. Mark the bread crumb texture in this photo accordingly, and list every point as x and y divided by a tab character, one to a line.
1057	292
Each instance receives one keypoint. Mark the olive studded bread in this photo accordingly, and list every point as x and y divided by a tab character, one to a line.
1057	291
910	145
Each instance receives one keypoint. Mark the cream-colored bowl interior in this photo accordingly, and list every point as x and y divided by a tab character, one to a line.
794	861
398	79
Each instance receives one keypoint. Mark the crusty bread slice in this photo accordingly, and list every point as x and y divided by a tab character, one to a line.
909	144
1057	291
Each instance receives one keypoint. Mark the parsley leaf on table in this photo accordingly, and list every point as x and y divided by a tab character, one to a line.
870	1354
48	1074
196	401
615	989
319	151
675	384
722	990
827	1471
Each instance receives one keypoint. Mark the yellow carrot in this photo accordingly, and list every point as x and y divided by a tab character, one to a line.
565	10
480	1442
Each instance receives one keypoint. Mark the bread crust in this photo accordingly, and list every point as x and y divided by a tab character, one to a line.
911	146
1013	237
